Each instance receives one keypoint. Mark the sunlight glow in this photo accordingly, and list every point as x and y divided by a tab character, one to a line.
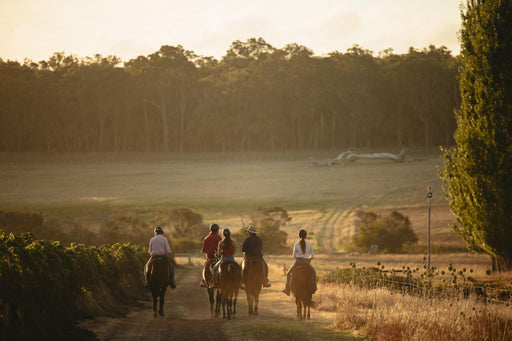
36	29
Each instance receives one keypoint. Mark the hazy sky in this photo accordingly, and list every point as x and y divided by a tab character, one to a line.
36	29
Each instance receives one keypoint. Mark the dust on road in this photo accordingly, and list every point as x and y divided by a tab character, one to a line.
187	317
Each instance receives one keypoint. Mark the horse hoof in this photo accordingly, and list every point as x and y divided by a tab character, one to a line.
161	314
154	314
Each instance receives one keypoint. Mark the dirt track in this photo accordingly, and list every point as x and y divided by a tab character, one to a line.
187	317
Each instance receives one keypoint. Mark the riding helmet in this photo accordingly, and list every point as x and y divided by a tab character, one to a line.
303	233
226	233
214	228
159	230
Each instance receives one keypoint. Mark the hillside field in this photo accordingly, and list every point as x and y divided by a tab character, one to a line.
225	187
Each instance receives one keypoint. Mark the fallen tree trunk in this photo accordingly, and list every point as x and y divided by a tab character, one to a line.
349	156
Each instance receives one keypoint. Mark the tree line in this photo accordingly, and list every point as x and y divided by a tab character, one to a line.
256	97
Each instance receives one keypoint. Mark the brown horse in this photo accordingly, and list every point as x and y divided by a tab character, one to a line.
229	282
158	282
302	286
210	282
253	280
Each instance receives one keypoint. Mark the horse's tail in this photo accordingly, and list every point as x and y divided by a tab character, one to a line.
159	277
230	276
253	271
302	282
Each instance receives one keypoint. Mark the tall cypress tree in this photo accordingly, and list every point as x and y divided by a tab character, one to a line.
477	173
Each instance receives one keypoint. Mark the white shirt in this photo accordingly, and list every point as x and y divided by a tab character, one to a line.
159	246
297	251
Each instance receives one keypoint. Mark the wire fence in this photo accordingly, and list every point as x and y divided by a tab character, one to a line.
430	284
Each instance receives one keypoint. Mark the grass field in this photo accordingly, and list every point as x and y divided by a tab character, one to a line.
225	187
213	181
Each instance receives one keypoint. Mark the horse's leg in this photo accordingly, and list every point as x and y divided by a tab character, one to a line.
161	310
211	293
155	299
299	308
249	301
234	303
309	316
217	304
256	301
229	306
224	301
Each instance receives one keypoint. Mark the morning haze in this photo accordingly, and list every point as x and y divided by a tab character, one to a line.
120	120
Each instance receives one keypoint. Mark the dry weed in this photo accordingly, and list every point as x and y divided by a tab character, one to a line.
382	315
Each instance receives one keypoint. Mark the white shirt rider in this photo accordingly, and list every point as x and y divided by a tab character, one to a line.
159	246
297	251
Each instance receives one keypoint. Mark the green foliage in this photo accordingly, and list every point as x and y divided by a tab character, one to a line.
182	226
181	223
185	245
477	173
389	233
268	221
257	97
124	228
44	281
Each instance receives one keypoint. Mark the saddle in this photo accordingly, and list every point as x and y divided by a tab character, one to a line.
222	268
305	270
150	266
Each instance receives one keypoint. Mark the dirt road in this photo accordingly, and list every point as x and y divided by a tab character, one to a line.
187	317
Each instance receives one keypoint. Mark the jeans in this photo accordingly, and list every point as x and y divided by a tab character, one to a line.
216	266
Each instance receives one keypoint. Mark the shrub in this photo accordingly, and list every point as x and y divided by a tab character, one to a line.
185	245
390	233
268	222
44	281
181	223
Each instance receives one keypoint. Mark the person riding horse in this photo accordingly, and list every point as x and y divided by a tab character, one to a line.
253	247
225	251
303	254
159	249
210	244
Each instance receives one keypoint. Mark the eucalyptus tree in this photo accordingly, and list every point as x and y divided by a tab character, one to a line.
166	80
298	82
18	123
429	87
477	174
238	77
104	83
359	80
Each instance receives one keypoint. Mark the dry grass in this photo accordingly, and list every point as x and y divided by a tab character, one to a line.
213	181
381	315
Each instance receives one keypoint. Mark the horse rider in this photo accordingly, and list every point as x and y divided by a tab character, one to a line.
303	254
225	250
210	244
253	247
159	248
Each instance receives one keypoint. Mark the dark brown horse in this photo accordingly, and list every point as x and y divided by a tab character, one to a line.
210	282
302	285
158	282
229	282
253	281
